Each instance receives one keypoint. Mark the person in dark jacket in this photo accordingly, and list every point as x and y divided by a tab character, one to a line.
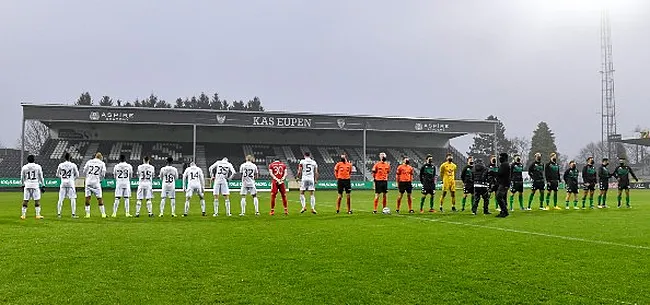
589	180
603	183
552	173
481	187
493	170
503	180
428	180
536	173
571	184
517	179
622	174
468	181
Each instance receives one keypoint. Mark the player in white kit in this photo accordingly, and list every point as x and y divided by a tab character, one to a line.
31	177
146	172
168	175
308	171
193	183
68	172
221	172
122	173
95	171
249	173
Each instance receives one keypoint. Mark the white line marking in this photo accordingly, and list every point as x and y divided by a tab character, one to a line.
600	242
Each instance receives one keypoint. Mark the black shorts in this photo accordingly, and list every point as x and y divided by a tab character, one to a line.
381	187
517	187
344	185
468	188
428	189
493	187
405	187
589	186
603	186
538	186
553	186
572	188
623	186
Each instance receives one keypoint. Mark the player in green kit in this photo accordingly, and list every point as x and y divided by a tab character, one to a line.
571	184
589	179
468	181
428	180
622	174
552	173
603	183
493	173
517	182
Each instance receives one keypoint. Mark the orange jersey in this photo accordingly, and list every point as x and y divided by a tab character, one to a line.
405	173
380	171
343	170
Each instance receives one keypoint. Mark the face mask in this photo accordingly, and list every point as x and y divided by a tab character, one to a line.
449	159
471	163
553	160
622	163
573	166
406	162
517	160
430	161
383	159
493	161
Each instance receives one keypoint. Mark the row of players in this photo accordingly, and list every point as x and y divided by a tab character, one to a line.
222	171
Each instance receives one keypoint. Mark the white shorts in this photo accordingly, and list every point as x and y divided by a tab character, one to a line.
168	191
307	185
145	193
193	190
68	192
221	188
122	191
245	190
31	193
94	190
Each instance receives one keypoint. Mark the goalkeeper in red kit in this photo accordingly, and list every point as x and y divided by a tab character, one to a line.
278	171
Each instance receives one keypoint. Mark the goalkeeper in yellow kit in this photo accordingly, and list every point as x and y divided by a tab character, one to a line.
448	175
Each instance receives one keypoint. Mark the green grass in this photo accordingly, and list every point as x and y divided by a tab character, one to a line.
578	257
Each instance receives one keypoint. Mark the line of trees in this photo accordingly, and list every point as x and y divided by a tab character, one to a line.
203	101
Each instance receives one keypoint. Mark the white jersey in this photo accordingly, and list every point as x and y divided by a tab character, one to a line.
193	176
95	170
222	171
123	173
146	172
248	172
169	174
309	167
68	172
31	176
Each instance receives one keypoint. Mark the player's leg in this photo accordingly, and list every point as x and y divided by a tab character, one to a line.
138	203
620	195
274	194
242	202
256	201
116	203
375	202
444	194
627	197
531	197
73	202
172	201
348	201
575	199
59	204
285	201
226	201
401	191
87	202
312	199
384	199
149	198
100	202
188	197
409	198
591	198
163	198
201	201
302	201
339	190
423	198
584	196
26	197
453	198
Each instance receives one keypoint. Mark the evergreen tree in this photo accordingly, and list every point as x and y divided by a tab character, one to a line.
543	141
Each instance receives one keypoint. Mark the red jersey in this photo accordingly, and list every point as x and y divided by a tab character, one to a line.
277	169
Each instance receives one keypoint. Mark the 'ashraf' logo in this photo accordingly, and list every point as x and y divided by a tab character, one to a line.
221	119
94	116
341	123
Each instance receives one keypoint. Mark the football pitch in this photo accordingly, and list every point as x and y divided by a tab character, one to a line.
535	257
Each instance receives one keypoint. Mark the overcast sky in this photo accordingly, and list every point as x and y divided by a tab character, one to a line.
524	61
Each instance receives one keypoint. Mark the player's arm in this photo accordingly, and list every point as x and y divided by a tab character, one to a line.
202	177
184	179
299	171
211	170
633	175
463	174
374	171
316	173
232	172
566	175
41	179
615	173
75	171
284	176
257	173
102	174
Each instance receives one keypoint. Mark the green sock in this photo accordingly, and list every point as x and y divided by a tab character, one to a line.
548	199
512	200
591	201
605	199
422	203
567	203
584	201
521	200
541	200
530	199
600	199
431	203
575	203
464	201
627	200
496	202
619	199
555	199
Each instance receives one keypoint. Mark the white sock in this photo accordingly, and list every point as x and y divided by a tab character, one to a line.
173	204
127	206
243	205
313	202
187	206
24	210
116	205
102	209
87	208
256	203
149	207
38	210
202	205
138	206
216	206
73	206
227	206
59	205
302	201
162	206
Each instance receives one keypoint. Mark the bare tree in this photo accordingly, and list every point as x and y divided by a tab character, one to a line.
36	133
522	147
592	149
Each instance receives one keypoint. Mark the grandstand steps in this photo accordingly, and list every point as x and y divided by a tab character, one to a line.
201	161
90	153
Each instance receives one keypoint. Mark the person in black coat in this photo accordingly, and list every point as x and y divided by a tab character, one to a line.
503	180
481	180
